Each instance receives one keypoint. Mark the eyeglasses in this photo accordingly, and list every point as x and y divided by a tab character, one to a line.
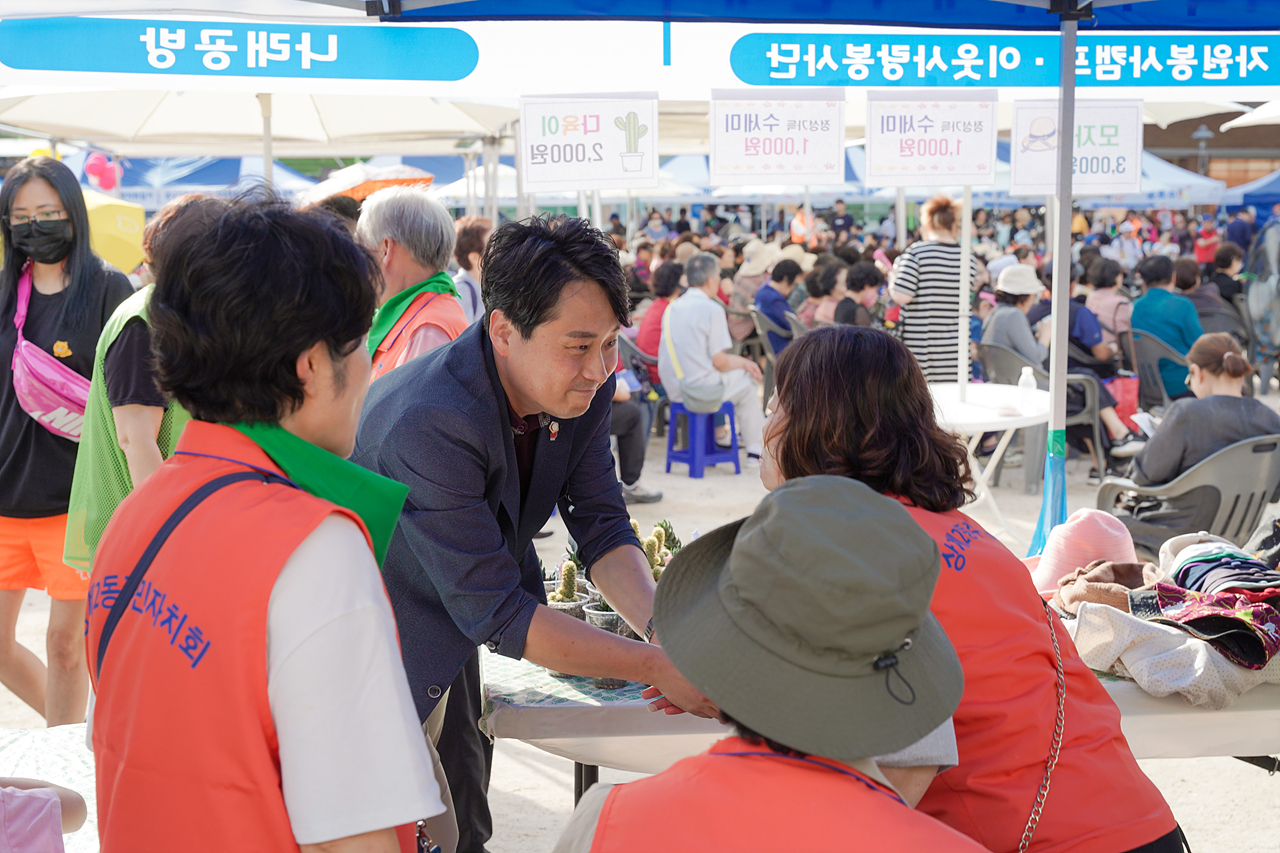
42	216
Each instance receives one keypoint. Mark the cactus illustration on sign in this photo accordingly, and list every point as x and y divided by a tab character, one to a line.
633	158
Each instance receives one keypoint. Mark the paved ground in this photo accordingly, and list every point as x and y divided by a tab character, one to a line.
1224	805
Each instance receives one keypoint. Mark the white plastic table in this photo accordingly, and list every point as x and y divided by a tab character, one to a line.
599	728
988	407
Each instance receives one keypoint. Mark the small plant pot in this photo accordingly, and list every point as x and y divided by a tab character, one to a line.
612	622
632	162
574	609
593	594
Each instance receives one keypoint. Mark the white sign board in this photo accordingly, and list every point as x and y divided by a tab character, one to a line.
931	137
589	142
1106	155
793	137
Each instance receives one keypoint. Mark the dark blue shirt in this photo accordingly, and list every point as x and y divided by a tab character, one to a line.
461	570
773	305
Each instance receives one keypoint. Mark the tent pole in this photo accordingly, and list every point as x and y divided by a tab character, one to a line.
808	216
520	206
583	210
264	99
966	258
490	180
1053	509
597	211
900	215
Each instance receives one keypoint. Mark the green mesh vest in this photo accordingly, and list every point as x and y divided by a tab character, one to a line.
102	474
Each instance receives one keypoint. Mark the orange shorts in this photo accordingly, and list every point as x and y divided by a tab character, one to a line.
31	558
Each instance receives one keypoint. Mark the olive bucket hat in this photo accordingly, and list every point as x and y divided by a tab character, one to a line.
809	621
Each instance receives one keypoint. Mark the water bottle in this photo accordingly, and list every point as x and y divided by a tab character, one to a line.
1026	391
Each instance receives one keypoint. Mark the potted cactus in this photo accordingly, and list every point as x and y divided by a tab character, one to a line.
566	598
633	158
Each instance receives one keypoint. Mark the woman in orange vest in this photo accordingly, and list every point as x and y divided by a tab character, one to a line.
819	649
250	693
419	309
1028	698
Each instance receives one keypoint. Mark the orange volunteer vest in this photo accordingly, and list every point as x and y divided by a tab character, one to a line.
426	309
1099	800
186	750
765	801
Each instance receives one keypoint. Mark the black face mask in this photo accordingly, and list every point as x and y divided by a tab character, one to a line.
43	242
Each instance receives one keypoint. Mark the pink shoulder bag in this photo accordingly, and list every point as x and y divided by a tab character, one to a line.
48	390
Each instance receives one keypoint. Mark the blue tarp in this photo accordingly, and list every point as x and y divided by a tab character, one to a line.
953	14
154	182
1262	193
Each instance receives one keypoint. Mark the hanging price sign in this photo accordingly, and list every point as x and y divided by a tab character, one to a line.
593	142
793	137
1106	155
925	138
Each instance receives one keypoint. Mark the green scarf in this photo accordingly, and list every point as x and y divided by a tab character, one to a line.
371	496
385	318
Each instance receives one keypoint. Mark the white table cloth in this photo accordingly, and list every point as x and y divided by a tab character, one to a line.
572	719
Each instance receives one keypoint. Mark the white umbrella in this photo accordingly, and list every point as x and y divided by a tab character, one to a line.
159	123
1268	113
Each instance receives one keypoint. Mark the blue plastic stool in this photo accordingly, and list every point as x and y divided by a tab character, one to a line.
701	450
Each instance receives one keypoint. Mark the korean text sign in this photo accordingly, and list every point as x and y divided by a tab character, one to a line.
795	137
594	142
1106	156
233	49
927	138
938	59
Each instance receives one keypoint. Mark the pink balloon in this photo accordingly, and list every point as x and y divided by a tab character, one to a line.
107	180
95	164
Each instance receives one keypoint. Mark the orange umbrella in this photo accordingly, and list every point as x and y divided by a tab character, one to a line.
361	191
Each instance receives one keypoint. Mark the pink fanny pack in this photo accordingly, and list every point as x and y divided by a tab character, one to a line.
48	390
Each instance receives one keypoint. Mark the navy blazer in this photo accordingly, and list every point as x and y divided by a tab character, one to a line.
461	569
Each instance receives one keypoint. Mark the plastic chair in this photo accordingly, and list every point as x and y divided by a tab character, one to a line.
798	327
1246	476
1149	351
1228	320
763	326
639	362
1004	366
701	449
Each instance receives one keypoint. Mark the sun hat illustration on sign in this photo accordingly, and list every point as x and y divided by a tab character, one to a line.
1042	135
799	625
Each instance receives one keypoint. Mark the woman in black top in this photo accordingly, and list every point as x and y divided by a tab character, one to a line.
45	228
1194	429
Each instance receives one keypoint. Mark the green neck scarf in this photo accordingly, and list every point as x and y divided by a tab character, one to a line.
385	318
374	498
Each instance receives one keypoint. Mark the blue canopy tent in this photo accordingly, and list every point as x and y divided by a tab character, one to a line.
1065	16
948	14
1261	193
153	183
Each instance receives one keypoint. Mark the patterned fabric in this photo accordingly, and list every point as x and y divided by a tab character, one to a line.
1245	632
522	684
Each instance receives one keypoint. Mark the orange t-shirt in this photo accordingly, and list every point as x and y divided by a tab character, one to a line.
1099	800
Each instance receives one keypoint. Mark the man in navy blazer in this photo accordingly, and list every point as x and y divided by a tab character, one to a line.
490	433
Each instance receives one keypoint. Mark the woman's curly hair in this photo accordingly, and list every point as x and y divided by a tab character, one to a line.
854	403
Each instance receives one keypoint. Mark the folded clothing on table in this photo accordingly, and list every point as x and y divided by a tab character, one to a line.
1245	632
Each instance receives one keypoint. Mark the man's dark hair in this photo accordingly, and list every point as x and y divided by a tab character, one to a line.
754	738
340	205
236	305
862	275
473	231
848	253
666	280
528	264
787	270
1227	253
83	267
1156	271
1103	272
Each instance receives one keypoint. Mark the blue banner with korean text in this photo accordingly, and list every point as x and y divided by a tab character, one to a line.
237	49
1111	59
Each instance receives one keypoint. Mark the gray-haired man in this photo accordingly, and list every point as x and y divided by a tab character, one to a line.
418	310
695	337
